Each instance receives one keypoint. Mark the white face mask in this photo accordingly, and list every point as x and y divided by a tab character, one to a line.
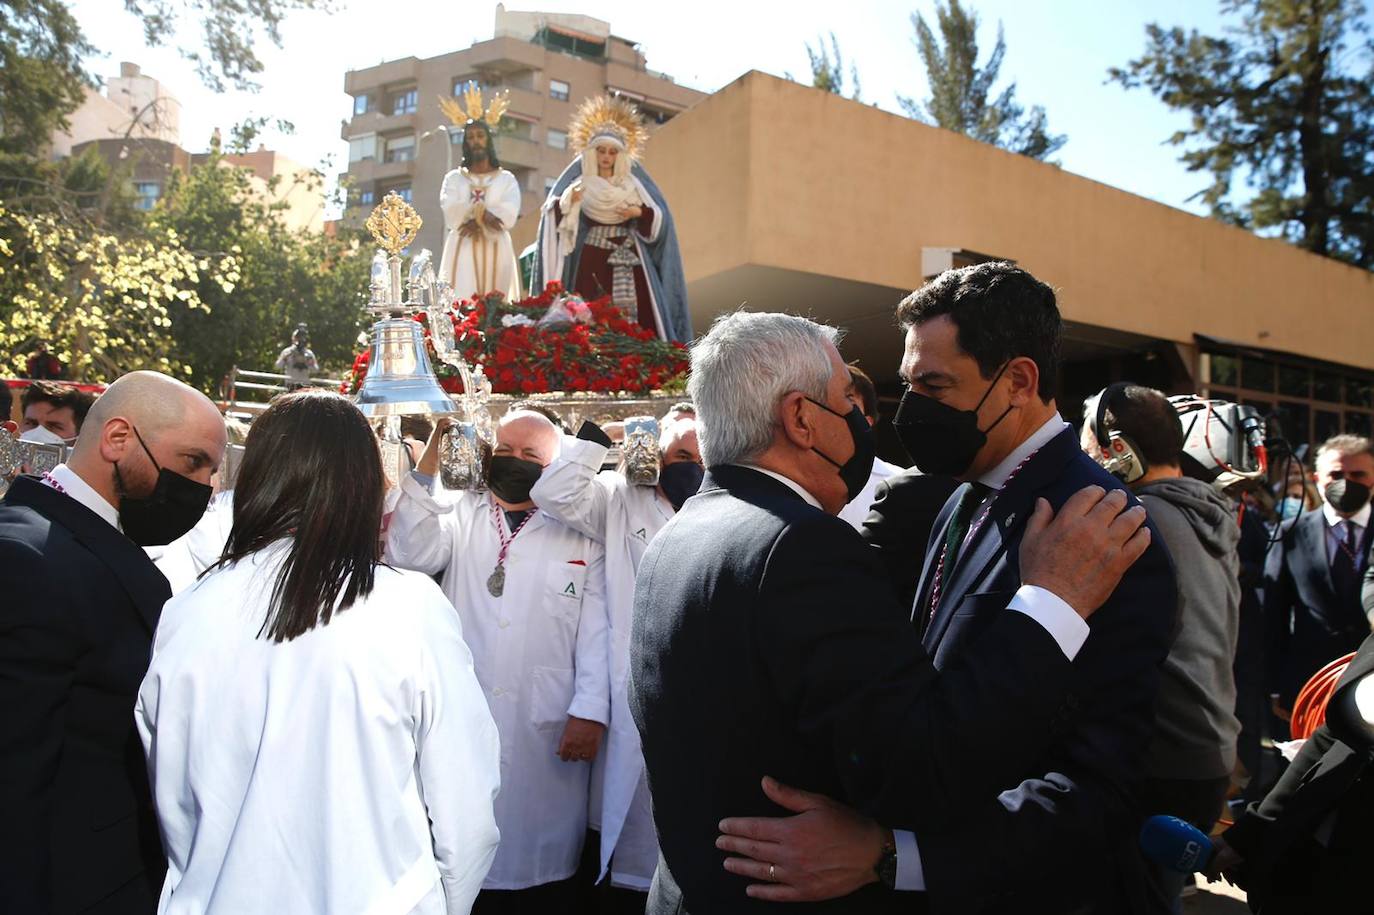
45	436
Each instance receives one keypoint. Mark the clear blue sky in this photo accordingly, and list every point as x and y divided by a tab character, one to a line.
1058	52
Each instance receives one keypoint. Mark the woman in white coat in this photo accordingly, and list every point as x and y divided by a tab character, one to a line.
315	734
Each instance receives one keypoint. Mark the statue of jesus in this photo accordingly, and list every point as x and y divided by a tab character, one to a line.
480	201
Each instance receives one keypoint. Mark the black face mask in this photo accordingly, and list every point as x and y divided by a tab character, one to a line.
942	439
855	471
173	508
1346	496
680	481
511	478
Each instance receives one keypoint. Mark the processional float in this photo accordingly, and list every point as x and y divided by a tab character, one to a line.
400	379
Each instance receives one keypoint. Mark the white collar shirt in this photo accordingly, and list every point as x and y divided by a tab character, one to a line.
1336	529
788	482
997	477
71	484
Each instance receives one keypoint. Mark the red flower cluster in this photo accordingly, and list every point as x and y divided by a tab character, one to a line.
609	354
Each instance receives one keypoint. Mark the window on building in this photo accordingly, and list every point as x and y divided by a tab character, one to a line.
1311	401
404	102
402	192
361	148
400	149
572	42
146	193
559	90
517	128
360	104
558	139
367	198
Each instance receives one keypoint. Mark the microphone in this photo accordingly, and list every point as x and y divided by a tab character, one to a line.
1176	845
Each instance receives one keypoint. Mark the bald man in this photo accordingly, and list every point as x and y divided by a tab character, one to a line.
530	594
77	831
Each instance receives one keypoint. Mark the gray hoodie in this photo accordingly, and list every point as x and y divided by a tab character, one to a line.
1195	722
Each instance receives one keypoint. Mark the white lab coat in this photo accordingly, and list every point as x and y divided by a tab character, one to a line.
182	560
351	769
540	651
857	510
625	518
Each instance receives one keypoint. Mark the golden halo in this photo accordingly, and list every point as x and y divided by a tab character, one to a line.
602	115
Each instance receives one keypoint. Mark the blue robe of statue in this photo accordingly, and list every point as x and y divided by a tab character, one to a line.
660	260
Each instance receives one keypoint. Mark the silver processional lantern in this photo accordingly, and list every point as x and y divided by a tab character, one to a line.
400	380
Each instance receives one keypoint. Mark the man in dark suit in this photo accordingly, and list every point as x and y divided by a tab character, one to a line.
77	833
1312	578
1307	845
980	363
900	522
766	642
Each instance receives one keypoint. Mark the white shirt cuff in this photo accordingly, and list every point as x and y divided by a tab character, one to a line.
911	876
1066	627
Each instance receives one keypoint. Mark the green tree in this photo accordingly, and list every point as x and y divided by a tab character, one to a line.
1284	102
829	74
284	277
41	77
960	89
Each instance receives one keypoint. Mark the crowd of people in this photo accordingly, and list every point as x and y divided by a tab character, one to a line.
776	670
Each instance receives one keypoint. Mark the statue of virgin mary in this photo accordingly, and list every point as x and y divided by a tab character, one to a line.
605	228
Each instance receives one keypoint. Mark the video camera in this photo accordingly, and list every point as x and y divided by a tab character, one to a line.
1223	443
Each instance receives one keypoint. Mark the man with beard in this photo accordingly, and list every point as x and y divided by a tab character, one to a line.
481	201
530	595
78	832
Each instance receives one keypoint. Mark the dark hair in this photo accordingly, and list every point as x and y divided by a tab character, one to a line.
312	473
416	427
1146	417
491	143
6	402
58	396
866	390
1000	311
533	406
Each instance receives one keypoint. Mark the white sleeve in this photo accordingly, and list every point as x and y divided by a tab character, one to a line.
420	535
453	201
911	874
570	490
592	687
505	205
458	756
1060	620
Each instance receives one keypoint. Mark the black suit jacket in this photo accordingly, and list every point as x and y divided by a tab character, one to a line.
1332	773
898	525
1062	834
767	642
81	602
1309	623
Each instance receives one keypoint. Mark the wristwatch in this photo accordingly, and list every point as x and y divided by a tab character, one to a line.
886	867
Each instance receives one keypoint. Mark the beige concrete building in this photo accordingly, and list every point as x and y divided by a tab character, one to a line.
547	63
301	189
132	104
789	198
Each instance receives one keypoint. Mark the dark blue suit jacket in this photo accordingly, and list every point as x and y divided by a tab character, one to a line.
1062	835
1309	623
80	604
766	641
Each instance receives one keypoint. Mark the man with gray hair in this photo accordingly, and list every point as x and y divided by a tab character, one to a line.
78	832
768	645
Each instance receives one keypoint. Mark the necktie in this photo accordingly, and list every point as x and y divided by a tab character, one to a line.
1344	573
969	502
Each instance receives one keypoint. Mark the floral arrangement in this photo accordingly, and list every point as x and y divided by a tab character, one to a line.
551	342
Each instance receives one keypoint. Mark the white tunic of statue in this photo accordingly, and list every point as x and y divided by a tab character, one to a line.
484	262
541	655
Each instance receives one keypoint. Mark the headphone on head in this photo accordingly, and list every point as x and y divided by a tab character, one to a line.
1116	452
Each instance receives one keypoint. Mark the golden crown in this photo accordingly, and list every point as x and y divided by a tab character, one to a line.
471	108
603	116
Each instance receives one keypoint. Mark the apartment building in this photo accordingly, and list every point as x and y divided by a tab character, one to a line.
547	64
